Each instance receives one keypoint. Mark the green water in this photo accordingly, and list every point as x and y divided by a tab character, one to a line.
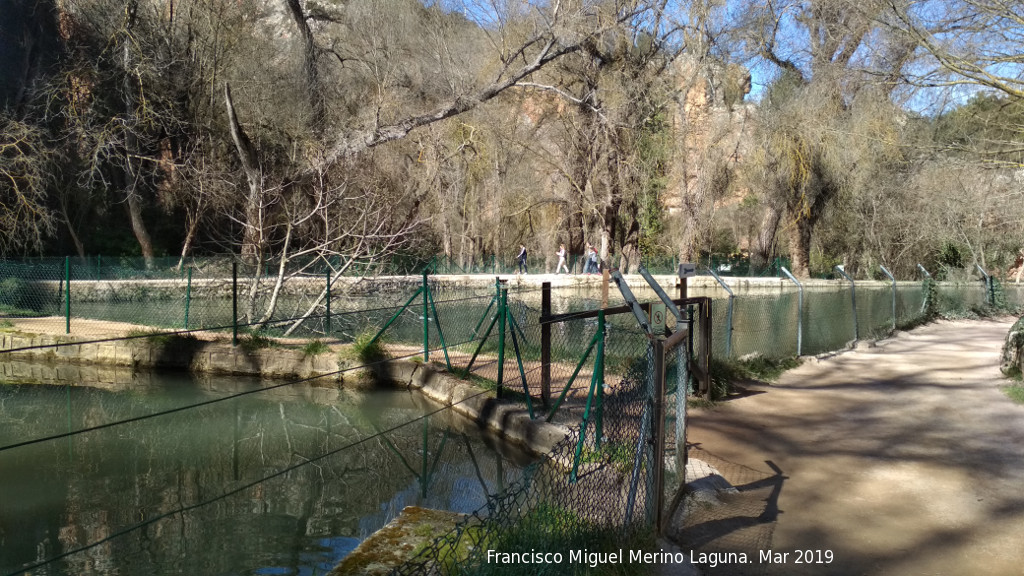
283	481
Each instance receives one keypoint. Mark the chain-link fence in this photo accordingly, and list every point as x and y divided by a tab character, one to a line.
552	354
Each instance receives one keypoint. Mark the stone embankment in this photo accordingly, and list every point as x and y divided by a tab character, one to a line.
173	352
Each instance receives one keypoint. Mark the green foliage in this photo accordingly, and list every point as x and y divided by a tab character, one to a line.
315	347
990	121
950	256
550	528
619	456
726	372
931	299
1015	392
15	298
368	350
654	145
6	325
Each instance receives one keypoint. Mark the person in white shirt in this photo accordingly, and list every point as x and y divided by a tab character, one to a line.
561	260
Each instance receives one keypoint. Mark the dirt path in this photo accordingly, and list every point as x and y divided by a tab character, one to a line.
905	458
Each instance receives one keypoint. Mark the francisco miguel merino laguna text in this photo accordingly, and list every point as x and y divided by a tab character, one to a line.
594	559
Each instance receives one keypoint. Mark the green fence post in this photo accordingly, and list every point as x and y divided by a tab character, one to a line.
327	325
599	370
545	345
234	303
99	266
188	295
502	317
426	320
440	332
397	314
67	295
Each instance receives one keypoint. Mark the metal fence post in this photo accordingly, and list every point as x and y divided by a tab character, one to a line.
426	321
988	285
234	303
728	313
799	311
893	279
599	369
658	435
67	295
188	295
502	319
545	344
327	319
853	300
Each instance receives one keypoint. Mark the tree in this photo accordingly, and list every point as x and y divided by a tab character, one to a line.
972	42
25	161
824	61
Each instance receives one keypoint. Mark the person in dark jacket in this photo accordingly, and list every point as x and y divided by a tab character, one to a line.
521	259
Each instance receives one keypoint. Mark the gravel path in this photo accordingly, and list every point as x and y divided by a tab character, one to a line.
903	458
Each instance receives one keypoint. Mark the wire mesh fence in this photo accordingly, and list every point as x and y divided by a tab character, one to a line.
586	371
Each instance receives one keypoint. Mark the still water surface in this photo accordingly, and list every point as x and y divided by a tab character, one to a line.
283	481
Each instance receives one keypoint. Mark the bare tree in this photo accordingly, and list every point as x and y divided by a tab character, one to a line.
25	219
975	42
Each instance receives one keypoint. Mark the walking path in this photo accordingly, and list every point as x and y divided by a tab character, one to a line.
903	458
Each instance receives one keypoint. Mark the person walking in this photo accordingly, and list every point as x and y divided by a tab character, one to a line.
561	260
521	259
592	261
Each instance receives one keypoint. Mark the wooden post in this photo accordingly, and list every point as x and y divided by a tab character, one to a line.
658	435
545	344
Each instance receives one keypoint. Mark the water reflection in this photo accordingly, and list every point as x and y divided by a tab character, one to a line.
285	481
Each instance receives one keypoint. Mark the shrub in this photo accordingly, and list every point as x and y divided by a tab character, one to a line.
369	351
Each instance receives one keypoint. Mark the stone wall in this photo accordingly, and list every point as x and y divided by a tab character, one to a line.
1012	363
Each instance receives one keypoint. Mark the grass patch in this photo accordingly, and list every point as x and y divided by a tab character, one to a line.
1015	392
6	325
726	373
552	529
619	456
256	340
156	337
369	351
315	347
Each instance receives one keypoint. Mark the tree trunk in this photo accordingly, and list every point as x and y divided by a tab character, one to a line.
253	237
800	248
311	67
131	177
763	249
139	227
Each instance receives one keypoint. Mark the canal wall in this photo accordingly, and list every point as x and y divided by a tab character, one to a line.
177	352
511	421
143	290
65	357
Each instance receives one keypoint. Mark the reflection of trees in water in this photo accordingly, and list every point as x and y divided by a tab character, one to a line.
73	492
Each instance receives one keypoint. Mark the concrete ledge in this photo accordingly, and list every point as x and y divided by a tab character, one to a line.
510	421
177	353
